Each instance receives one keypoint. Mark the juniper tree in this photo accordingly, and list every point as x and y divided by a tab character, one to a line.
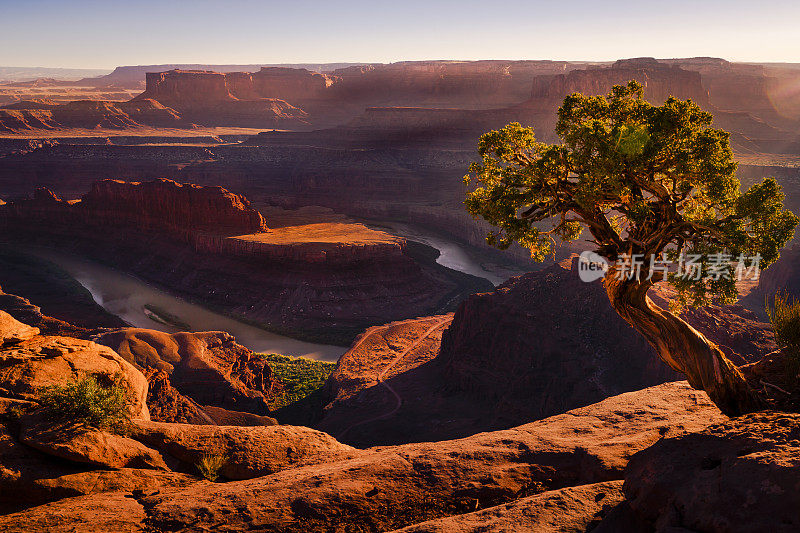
646	181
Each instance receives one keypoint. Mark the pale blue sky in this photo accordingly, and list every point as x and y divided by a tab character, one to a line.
103	34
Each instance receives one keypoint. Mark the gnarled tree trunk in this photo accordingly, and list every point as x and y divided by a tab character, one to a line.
682	347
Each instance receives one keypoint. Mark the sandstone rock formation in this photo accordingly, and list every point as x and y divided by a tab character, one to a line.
87	114
752	119
250	452
14	332
29	477
204	97
300	87
208	367
523	352
569	509
402	159
162	206
556	474
554	337
41	361
90	446
659	80
386	488
738	475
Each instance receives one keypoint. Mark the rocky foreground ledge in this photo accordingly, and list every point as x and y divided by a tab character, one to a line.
642	461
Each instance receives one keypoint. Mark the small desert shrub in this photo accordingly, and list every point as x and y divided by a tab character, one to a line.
15	412
785	318
87	401
210	464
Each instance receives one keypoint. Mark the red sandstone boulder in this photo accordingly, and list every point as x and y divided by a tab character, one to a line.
249	452
88	445
739	476
13	331
29	477
114	511
571	509
27	367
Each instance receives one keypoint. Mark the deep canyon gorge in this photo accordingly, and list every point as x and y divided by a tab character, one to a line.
274	266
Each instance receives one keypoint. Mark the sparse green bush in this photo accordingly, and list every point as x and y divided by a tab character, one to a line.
87	401
785	318
210	464
15	412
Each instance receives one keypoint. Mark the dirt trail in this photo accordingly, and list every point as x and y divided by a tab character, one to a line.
387	368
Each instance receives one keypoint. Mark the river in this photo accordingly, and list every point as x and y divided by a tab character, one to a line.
134	301
451	254
126	296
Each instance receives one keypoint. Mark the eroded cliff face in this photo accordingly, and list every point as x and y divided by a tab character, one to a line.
739	96
558	343
290	84
333	98
187	87
215	98
166	206
555	340
465	84
659	80
87	114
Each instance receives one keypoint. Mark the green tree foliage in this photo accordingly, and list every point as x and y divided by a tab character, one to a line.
640	178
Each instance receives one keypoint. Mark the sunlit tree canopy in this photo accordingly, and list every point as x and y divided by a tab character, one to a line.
639	178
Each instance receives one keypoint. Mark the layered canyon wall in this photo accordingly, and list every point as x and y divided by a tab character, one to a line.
208	245
659	80
297	98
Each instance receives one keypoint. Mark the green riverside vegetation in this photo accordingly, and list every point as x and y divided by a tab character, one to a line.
300	376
